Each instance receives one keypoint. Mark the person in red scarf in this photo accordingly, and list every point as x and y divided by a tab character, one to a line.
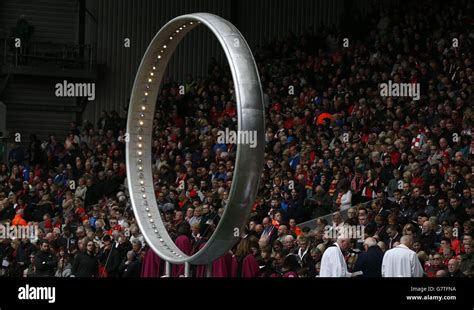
276	219
357	182
21	204
417	180
372	182
434	265
444	166
114	225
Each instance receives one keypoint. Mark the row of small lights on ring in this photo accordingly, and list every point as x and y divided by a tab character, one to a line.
141	123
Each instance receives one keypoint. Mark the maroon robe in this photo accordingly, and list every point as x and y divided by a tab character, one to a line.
151	265
250	268
223	267
184	244
234	267
200	269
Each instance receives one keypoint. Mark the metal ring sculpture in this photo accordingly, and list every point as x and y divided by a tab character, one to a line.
249	160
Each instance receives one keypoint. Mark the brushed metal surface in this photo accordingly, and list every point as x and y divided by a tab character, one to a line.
249	161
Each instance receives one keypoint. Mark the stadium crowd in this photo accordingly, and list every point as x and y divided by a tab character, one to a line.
394	165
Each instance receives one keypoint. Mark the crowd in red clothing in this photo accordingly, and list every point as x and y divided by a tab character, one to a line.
332	142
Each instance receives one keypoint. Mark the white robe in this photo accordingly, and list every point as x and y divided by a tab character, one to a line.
333	263
401	262
346	200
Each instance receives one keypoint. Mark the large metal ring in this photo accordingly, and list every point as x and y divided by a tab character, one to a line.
249	158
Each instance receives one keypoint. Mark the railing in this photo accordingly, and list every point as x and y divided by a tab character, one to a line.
64	56
328	217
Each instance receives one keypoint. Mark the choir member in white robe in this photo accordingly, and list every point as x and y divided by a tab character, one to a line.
332	262
400	261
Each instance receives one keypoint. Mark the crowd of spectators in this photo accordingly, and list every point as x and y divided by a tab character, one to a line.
395	165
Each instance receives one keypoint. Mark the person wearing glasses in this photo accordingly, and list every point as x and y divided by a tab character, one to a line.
86	264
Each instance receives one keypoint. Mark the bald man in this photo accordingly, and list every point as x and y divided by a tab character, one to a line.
401	261
333	264
453	269
370	261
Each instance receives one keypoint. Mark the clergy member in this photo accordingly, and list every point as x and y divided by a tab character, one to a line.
401	261
333	263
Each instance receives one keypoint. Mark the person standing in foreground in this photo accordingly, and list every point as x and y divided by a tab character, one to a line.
401	261
333	263
370	261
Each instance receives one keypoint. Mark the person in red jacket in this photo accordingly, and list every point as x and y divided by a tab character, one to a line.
295	229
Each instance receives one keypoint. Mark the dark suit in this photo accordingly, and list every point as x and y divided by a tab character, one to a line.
370	262
389	241
85	265
131	270
45	263
456	274
428	241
